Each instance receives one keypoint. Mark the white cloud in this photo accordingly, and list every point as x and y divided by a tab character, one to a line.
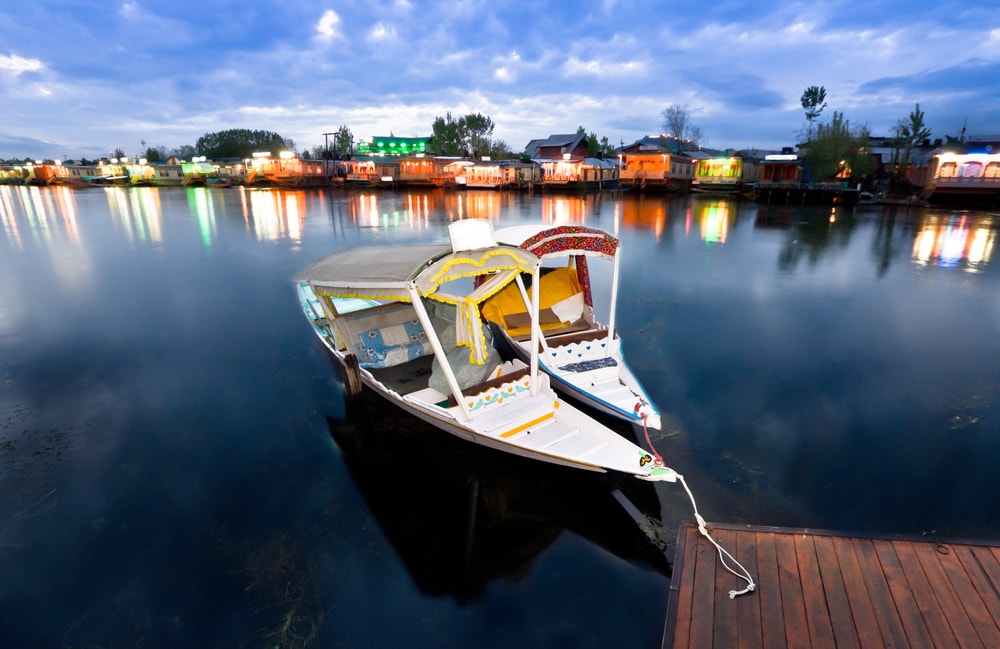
382	32
327	27
16	64
598	68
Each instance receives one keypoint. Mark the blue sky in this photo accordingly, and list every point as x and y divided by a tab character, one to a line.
82	78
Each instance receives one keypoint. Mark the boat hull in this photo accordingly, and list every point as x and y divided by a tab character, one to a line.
537	426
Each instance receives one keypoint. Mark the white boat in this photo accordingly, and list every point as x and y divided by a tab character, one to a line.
405	322
583	356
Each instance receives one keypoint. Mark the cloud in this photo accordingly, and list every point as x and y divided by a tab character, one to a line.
327	27
17	65
382	32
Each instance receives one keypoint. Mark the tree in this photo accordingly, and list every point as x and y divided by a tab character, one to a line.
447	137
185	152
241	143
813	101
343	142
677	123
468	135
154	153
839	149
910	134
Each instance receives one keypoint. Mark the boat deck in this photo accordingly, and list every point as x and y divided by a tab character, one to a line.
823	589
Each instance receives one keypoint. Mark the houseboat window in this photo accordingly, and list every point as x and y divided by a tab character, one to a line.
993	170
971	170
947	170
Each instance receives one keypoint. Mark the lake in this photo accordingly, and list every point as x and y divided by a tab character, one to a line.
178	466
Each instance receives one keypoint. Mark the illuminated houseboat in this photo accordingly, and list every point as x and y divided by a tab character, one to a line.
286	170
964	178
423	171
368	172
728	175
579	175
500	174
144	174
647	171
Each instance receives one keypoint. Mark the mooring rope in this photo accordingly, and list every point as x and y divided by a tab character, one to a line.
703	526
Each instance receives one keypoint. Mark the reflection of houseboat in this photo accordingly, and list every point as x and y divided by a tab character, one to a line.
286	171
972	178
426	171
656	172
727	175
579	174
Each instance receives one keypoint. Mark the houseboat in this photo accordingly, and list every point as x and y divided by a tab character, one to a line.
144	174
111	172
648	171
723	175
13	174
287	171
579	175
365	173
424	171
964	178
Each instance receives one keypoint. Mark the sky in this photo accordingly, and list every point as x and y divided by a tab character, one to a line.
82	78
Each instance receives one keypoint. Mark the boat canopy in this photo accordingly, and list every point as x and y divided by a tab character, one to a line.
404	273
560	241
372	272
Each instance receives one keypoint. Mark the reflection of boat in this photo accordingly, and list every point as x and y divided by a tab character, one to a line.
583	355
460	516
405	324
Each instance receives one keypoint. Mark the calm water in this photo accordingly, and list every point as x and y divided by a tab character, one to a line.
177	467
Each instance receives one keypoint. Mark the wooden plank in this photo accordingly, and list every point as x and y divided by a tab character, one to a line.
821	590
678	629
837	602
813	594
909	613
889	622
862	613
702	626
769	592
792	599
725	633
956	592
748	616
925	596
986	586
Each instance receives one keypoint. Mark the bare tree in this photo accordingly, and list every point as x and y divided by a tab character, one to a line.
677	122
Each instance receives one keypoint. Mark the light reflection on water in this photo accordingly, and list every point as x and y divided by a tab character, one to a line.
167	410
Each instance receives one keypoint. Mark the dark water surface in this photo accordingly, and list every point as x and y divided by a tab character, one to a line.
177	467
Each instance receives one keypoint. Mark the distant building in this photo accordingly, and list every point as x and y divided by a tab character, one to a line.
392	146
558	147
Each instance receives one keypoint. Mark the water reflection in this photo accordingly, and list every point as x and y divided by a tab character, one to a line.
950	240
274	214
137	211
48	215
460	516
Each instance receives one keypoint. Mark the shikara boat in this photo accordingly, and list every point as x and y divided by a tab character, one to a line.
583	356
404	321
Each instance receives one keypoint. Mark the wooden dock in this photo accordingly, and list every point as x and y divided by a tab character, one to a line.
818	589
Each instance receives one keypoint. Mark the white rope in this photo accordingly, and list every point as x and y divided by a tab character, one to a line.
733	594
